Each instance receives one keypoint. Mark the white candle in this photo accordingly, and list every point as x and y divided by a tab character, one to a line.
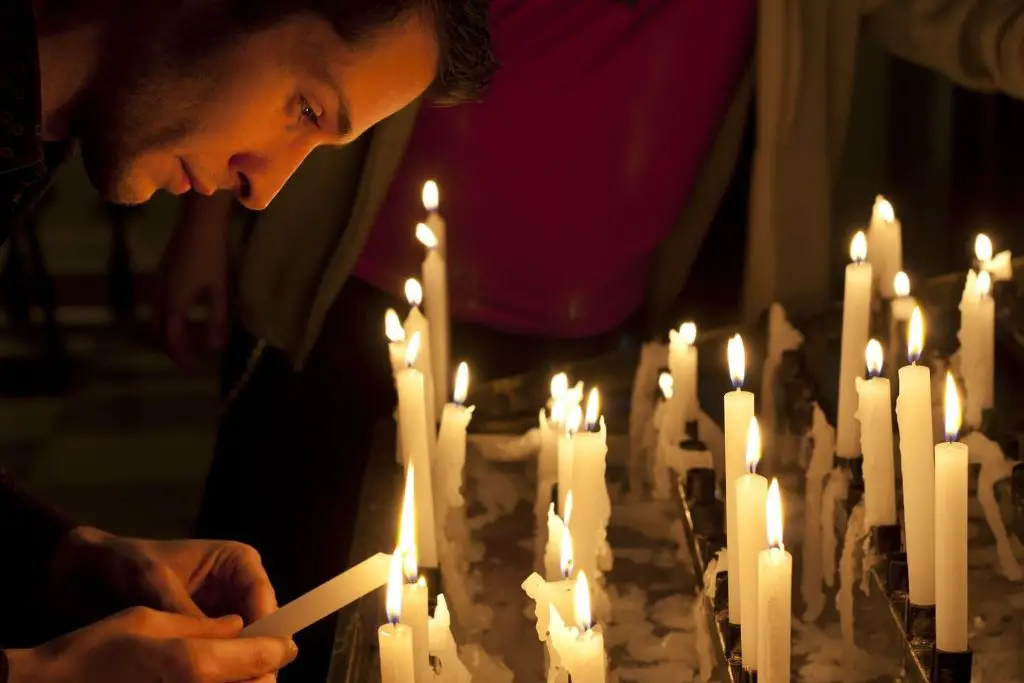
566	454
977	347
682	363
444	648
774	597
557	594
856	320
451	441
580	648
395	638
395	333
591	505
914	416
739	411
414	590
951	460
417	435
999	266
558	550
903	305
431	197
874	411
415	323
751	496
324	600
435	287
885	245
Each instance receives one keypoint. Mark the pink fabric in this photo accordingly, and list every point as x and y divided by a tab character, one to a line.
558	187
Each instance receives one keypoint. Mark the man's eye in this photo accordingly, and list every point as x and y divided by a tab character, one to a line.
307	112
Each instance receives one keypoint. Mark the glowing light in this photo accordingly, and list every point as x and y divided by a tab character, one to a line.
773	515
393	327
859	247
666	384
901	284
983	285
873	354
393	599
753	445
426	236
461	384
566	551
412	349
593	409
883	209
413	292
915	335
688	333
953	414
431	196
559	385
573	419
983	248
407	528
581	603
737	361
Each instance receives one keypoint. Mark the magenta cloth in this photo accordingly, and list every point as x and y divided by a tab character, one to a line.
558	188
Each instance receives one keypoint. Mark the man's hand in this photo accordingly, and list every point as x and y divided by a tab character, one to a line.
98	573
194	272
144	646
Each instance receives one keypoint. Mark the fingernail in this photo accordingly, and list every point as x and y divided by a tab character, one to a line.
293	650
233	619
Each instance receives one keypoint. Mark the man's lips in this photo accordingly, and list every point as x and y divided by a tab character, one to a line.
194	182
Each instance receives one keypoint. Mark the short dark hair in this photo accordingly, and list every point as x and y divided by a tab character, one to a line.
466	62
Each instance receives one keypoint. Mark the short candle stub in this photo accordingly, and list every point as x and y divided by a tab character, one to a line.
897	580
952	667
887	538
920	622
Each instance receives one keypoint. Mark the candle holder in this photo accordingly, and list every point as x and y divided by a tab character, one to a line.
748	676
919	622
888	539
897	577
952	667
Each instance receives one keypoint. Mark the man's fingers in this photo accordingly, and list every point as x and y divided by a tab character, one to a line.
157	624
241	659
166	591
257	593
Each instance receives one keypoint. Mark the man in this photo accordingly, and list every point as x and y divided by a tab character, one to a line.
183	95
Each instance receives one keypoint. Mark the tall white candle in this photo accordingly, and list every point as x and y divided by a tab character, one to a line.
951	460
774	597
977	347
417	322
682	363
414	591
591	504
431	197
567	454
581	648
435	288
874	411
558	550
885	245
395	638
751	497
395	333
856	321
417	434
739	411
451	440
914	416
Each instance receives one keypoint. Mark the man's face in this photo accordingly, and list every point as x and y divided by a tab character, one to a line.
244	113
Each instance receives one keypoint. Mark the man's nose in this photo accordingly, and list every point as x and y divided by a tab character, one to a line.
262	176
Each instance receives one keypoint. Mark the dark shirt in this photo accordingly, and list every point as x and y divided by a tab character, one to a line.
29	532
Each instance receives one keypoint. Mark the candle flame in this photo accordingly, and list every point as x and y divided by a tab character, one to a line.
407	527
983	247
573	420
461	383
737	361
431	196
915	335
983	285
413	292
773	515
753	445
426	236
393	327
581	603
558	412
593	409
688	333
412	349
874	356
666	384
901	284
953	416
883	209
566	550
559	385
859	247
393	599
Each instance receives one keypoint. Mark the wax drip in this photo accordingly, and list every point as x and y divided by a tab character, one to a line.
821	442
847	573
995	467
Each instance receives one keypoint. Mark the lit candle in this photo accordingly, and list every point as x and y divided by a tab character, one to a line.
885	244
431	197
856	319
739	411
977	347
914	417
592	505
451	440
396	340
751	496
951	460
581	648
395	638
874	411
1000	266
414	591
660	484
557	594
566	454
557	554
443	647
435	286
682	363
550	428
416	322
903	305
416	435
774	597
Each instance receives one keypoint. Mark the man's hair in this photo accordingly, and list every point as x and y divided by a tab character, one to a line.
466	60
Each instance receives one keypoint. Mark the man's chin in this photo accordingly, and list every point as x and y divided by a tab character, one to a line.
128	194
